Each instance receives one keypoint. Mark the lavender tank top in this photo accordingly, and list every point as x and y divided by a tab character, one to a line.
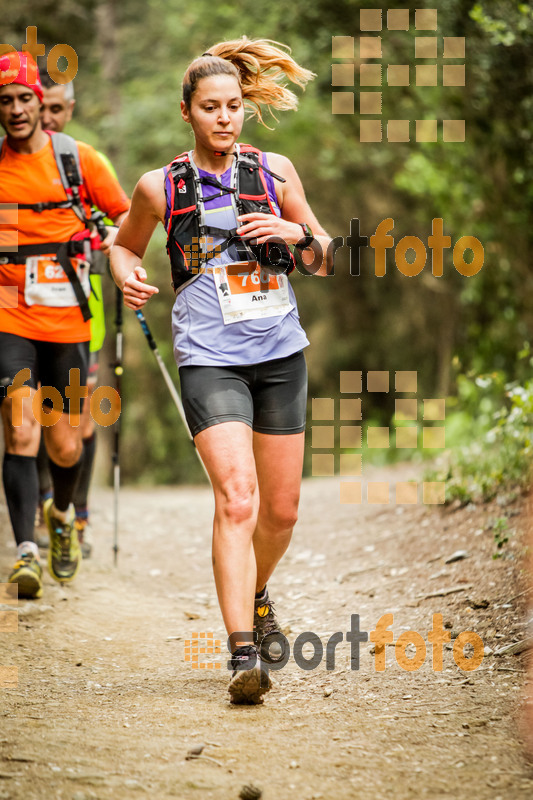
199	334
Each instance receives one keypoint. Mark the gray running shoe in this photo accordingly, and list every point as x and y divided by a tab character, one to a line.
270	639
250	679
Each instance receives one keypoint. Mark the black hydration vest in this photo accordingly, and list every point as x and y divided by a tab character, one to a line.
187	227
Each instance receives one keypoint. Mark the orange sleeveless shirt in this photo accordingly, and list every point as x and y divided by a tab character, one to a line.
33	178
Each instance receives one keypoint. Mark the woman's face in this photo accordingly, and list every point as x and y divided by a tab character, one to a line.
216	113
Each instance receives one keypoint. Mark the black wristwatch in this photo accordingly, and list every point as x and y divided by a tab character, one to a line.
308	236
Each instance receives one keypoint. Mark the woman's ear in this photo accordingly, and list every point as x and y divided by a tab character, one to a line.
185	112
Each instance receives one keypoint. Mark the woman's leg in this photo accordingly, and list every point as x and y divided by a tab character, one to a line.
279	461
227	452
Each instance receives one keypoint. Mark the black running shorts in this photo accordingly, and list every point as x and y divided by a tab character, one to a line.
49	363
270	397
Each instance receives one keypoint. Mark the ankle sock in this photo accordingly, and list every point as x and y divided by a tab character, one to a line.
28	547
62	516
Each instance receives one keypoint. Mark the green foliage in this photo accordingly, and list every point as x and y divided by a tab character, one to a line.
501	533
490	435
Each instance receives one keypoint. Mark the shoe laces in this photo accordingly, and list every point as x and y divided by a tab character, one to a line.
24	560
267	623
63	531
244	653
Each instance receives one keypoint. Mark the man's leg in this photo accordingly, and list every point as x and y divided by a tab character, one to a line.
63	365
45	492
19	471
45	481
81	493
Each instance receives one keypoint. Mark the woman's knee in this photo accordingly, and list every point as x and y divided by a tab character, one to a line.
236	501
280	516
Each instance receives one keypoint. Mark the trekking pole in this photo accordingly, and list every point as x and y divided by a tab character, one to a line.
118	382
168	380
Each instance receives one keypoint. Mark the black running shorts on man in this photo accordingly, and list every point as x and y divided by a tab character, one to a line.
49	363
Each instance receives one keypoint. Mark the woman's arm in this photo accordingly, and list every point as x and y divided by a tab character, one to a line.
147	209
294	210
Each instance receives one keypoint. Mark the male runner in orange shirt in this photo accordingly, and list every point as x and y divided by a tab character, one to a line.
42	327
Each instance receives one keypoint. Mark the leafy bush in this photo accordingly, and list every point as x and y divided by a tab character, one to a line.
496	420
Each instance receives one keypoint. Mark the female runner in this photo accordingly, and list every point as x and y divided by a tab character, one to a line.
237	338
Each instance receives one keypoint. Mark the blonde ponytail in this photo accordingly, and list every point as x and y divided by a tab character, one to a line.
259	65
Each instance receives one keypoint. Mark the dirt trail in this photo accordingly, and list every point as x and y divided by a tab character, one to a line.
107	707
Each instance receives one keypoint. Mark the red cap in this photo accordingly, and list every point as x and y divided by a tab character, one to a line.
20	68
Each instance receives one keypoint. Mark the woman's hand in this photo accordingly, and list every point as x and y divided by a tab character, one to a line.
136	292
261	227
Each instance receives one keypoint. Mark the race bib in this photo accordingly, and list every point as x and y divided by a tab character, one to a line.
247	291
48	285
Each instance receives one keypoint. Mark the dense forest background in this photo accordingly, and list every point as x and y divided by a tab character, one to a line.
132	55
